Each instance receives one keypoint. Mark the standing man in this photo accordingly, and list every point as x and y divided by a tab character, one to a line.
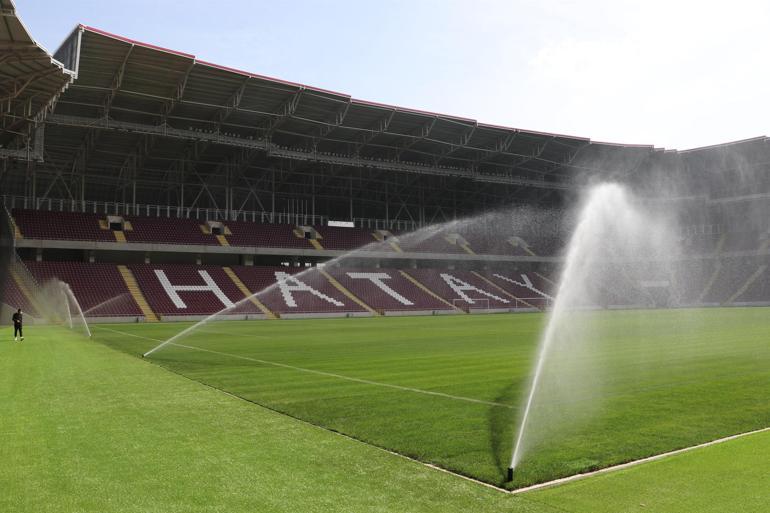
17	325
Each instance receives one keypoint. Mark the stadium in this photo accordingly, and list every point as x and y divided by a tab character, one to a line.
242	293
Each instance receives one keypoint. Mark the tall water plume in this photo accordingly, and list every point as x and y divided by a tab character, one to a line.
621	253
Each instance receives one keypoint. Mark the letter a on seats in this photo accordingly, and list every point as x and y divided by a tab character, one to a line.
460	287
289	284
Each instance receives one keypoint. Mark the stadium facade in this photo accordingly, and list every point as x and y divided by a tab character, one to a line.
120	156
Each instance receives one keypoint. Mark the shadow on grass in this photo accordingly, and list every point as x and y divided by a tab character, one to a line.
501	423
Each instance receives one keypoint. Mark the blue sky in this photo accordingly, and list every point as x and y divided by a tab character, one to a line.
676	74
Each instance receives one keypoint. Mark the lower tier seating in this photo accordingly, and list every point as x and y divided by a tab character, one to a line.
177	290
99	288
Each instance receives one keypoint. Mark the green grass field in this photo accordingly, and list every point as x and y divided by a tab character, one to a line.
447	390
89	429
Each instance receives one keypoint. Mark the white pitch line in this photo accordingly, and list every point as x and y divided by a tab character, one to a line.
326	374
634	463
338	433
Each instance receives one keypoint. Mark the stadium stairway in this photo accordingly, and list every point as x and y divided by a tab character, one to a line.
546	279
501	290
247	293
712	279
749	282
386	236
24	289
136	293
347	293
457	240
717	269
425	289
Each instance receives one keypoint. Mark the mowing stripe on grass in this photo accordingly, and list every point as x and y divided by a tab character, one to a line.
339	433
323	373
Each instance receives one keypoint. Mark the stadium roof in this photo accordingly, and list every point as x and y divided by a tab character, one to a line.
139	123
130	86
30	80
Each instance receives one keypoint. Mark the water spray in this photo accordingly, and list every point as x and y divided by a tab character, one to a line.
610	239
412	239
105	303
69	294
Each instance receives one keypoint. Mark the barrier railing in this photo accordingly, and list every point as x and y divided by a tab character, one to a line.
202	214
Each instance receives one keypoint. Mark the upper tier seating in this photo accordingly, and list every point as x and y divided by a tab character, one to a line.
40	224
428	241
159	230
335	237
265	235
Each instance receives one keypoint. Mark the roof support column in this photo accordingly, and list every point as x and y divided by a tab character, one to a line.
312	197
387	212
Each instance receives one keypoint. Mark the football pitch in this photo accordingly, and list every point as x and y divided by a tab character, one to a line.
87	428
447	390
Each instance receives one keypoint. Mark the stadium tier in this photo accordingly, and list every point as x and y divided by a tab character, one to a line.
43	225
172	291
71	226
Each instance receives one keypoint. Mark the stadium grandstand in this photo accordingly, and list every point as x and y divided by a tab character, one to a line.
188	186
241	293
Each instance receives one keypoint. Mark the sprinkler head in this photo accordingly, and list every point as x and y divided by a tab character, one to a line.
510	474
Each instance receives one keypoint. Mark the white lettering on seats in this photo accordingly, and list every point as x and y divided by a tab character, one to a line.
460	287
288	284
173	290
527	284
376	279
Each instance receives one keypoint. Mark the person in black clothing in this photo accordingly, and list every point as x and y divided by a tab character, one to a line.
17	325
